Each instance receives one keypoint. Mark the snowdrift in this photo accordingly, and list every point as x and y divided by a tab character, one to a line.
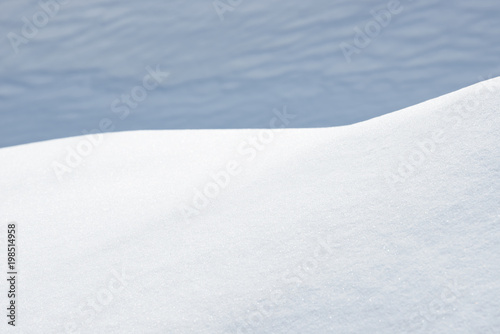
391	225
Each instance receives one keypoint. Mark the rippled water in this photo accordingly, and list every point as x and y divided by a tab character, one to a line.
231	73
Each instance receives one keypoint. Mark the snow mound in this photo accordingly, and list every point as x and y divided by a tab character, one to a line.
391	225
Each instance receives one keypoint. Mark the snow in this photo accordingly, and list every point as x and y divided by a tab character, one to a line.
390	225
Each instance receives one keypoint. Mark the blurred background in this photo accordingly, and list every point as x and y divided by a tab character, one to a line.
67	64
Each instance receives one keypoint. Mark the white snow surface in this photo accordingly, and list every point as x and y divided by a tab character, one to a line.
391	225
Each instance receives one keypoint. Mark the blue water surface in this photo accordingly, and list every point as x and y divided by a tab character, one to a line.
67	65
